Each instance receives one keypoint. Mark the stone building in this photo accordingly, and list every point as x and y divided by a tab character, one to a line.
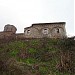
9	32
38	30
48	30
10	28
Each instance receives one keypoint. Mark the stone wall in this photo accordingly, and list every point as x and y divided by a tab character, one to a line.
9	32
32	33
20	36
6	35
11	28
49	30
40	30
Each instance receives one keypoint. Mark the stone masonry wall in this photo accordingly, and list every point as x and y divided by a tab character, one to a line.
6	35
40	30
11	28
19	36
49	30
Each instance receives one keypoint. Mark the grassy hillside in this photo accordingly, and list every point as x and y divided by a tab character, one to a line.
37	57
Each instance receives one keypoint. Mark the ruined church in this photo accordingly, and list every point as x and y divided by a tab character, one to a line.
38	30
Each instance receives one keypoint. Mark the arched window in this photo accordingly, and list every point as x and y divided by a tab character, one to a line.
28	31
45	31
57	30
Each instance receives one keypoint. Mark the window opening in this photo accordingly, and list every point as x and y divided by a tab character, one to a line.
45	31
57	30
28	31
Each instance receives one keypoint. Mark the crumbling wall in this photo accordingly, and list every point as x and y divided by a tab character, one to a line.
6	35
49	30
11	28
19	36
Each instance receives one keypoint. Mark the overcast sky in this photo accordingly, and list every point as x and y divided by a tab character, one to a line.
22	13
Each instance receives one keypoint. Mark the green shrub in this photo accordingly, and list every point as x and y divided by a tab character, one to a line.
43	70
34	42
14	53
31	61
32	50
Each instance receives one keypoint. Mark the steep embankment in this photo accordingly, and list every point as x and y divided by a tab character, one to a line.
37	57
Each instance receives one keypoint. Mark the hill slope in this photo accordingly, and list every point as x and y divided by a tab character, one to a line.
37	57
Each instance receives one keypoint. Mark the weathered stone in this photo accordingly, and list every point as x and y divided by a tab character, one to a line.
49	30
11	28
40	30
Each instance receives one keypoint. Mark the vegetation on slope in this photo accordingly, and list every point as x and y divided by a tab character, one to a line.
37	57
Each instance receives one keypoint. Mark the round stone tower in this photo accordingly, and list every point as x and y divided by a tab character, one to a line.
10	28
